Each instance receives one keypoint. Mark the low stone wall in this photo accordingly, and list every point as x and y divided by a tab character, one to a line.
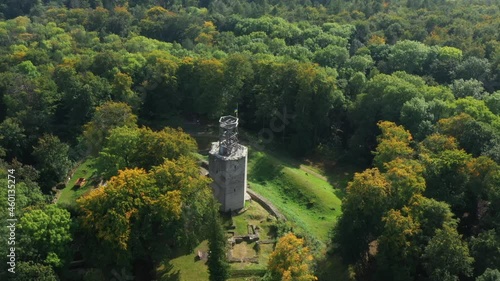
266	204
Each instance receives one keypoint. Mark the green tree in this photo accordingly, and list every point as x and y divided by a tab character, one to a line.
31	101
331	56
493	102
45	235
13	138
169	143
446	175
97	20
107	117
431	215
160	86
238	74
485	248
316	97
475	108
119	151
492	191
447	256
489	275
218	267
52	161
360	63
81	94
408	56
416	115
468	88
28	193
119	21
128	147
29	271
356	84
473	68
121	90
383	99
474	136
446	60
27	68
205	82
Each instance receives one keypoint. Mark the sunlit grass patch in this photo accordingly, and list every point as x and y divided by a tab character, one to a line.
70	193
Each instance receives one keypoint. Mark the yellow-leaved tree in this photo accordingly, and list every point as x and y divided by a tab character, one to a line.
394	142
140	215
290	261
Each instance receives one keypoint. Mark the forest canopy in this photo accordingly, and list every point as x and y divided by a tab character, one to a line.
407	91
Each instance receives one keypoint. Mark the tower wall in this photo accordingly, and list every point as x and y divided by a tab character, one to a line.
229	174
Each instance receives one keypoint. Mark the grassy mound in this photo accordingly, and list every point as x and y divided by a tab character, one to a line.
304	198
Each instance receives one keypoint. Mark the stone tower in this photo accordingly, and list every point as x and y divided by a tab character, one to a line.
227	165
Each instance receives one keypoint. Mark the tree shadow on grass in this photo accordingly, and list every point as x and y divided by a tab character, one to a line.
167	273
339	175
331	267
265	169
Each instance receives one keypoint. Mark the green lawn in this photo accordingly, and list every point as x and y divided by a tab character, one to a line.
69	194
256	215
304	198
185	267
308	196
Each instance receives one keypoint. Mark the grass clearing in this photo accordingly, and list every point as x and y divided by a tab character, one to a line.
70	193
305	199
184	268
256	215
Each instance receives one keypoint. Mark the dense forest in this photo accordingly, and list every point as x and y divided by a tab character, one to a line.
406	90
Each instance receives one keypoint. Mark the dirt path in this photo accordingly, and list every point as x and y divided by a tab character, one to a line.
309	171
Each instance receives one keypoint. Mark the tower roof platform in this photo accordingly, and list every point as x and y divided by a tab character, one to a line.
239	151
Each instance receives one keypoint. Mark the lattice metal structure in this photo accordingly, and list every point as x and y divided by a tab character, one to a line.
228	135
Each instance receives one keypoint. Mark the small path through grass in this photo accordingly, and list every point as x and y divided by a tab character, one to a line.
308	170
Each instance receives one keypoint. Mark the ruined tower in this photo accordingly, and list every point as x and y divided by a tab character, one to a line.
228	166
